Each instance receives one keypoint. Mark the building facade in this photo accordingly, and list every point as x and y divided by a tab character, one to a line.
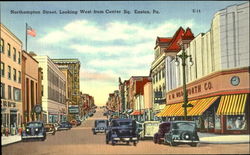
148	101
73	67
53	91
11	71
30	84
218	82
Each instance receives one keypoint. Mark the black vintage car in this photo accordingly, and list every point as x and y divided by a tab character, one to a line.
122	130
182	132
163	128
64	126
34	130
100	126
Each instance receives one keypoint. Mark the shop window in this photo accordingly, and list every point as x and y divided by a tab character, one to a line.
197	121
236	122
217	122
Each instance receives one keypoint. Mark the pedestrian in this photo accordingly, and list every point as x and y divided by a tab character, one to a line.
6	132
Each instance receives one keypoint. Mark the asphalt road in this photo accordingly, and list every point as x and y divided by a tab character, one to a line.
80	140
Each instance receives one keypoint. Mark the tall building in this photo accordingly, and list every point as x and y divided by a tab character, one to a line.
11	56
53	91
165	47
30	83
74	68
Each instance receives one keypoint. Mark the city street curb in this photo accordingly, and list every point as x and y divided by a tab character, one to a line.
206	142
11	143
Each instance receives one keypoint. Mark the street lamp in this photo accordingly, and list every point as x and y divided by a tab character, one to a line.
183	56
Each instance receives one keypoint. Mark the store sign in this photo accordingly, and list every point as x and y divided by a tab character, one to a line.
192	90
9	104
73	109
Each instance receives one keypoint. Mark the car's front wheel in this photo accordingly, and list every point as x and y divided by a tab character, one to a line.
113	142
173	144
134	143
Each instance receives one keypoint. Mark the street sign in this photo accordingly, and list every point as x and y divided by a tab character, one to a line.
73	109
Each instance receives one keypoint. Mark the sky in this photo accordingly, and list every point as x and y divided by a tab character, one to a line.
111	44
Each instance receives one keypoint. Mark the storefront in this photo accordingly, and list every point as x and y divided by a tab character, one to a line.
220	102
10	115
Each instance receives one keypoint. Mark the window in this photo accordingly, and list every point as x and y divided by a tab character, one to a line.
14	74
14	54
16	94
2	69
9	52
3	90
9	93
19	77
163	73
2	46
160	75
19	57
9	72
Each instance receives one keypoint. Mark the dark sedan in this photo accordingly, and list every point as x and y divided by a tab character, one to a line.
34	130
163	128
64	126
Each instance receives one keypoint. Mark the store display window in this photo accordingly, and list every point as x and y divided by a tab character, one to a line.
217	122
236	122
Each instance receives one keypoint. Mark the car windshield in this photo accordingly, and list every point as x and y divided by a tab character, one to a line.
101	124
184	126
34	124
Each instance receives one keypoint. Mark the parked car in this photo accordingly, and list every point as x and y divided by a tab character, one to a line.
163	128
101	126
148	129
50	128
78	122
64	126
122	130
182	132
34	130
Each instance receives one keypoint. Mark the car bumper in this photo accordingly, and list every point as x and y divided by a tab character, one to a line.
50	132
185	141
125	139
99	130
30	137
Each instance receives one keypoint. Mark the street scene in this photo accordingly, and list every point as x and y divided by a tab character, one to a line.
125	77
81	140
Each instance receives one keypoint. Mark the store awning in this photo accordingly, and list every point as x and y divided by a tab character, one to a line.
200	106
136	112
161	113
232	104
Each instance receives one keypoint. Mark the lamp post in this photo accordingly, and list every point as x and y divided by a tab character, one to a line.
183	56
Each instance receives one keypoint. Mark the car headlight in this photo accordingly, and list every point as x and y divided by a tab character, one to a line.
27	130
36	129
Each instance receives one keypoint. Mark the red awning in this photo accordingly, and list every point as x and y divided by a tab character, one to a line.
137	112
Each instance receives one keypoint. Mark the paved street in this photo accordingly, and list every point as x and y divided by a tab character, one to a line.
80	140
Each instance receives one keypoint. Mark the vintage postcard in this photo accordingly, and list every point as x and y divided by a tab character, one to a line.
124	77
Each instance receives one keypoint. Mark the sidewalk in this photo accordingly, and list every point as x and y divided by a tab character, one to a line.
223	139
10	139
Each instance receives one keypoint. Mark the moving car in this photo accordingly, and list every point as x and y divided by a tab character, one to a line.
122	130
163	128
182	132
148	129
100	126
50	128
64	126
78	122
34	130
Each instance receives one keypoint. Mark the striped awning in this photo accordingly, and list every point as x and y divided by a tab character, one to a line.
232	104
200	106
